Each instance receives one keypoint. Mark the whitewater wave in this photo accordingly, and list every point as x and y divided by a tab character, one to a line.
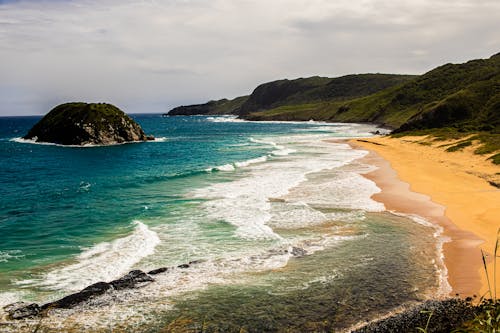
6	256
242	164
102	262
280	150
33	142
225	119
249	196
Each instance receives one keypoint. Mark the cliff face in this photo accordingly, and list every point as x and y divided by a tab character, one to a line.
86	124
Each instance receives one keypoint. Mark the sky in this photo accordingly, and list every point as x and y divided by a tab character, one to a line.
152	55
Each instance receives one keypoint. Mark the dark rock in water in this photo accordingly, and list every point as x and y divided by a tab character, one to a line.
298	252
165	269
446	316
158	271
131	280
72	300
87	124
22	310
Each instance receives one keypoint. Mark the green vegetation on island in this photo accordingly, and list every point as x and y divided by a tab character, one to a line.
86	124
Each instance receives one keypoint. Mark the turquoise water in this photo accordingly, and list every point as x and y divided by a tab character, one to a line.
238	196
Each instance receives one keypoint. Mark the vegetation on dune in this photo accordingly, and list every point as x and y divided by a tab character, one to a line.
483	143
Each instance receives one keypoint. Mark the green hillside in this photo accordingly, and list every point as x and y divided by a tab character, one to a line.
317	89
464	96
296	92
222	106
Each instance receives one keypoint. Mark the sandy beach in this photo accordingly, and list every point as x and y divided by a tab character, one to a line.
452	189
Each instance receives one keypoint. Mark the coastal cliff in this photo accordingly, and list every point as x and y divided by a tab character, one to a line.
87	124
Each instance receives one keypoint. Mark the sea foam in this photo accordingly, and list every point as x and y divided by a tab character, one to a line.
244	202
101	262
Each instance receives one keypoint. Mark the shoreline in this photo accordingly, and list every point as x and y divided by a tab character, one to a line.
429	182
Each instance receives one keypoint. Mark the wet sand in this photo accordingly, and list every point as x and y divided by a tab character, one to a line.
450	189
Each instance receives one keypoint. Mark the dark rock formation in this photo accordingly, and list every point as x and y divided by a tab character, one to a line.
72	300
298	252
446	316
131	280
158	271
22	310
87	124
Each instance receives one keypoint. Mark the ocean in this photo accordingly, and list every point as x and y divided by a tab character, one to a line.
276	220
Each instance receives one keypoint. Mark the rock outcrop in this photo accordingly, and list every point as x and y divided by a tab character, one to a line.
132	280
87	124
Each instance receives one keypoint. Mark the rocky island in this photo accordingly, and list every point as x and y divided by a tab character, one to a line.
87	124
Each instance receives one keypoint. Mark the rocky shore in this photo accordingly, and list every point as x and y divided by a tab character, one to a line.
133	279
439	316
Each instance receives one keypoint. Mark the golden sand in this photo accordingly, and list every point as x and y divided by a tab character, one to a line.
453	189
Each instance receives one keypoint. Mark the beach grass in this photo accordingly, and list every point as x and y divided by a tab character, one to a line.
487	319
485	143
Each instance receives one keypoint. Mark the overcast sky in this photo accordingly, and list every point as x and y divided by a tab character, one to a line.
152	55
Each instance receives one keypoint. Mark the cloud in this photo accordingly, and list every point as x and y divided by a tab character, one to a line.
149	56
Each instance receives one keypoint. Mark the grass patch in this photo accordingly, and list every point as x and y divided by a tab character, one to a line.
487	318
459	146
495	159
488	143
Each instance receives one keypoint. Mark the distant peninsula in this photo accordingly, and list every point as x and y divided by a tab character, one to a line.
87	124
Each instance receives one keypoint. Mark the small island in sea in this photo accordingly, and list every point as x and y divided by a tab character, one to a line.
86	124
